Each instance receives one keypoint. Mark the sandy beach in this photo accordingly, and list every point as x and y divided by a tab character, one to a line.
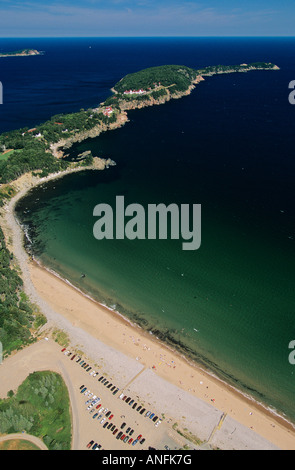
68	309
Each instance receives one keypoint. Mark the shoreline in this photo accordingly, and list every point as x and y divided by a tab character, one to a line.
37	268
100	321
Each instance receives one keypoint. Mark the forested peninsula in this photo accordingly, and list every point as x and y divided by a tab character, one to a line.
40	149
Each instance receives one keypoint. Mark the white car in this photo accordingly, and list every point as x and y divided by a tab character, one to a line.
87	392
158	422
102	421
121	396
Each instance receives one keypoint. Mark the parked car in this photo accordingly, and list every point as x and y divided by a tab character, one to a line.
90	444
116	391
134	405
128	400
147	414
135	442
100	378
121	396
119	435
115	432
142	441
131	402
142	411
155	418
105	424
111	417
158	422
152	415
83	390
82	386
139	437
95	415
130	441
138	408
108	414
125	439
102	421
123	425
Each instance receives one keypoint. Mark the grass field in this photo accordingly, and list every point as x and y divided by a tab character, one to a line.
5	155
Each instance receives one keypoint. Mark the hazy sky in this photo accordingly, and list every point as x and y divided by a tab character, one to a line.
147	18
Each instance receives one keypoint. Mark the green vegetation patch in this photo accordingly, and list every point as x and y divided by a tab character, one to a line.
178	75
16	313
40	407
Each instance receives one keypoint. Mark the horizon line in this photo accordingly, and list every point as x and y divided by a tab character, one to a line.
145	37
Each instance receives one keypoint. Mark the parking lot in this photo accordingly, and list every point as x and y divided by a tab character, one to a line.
113	419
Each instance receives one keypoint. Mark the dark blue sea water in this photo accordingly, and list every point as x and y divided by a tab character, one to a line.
229	146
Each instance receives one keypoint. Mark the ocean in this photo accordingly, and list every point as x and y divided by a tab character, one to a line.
228	146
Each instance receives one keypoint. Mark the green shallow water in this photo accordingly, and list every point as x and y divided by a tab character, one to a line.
236	290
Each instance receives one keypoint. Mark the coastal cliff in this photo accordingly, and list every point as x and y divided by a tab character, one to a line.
57	148
151	101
